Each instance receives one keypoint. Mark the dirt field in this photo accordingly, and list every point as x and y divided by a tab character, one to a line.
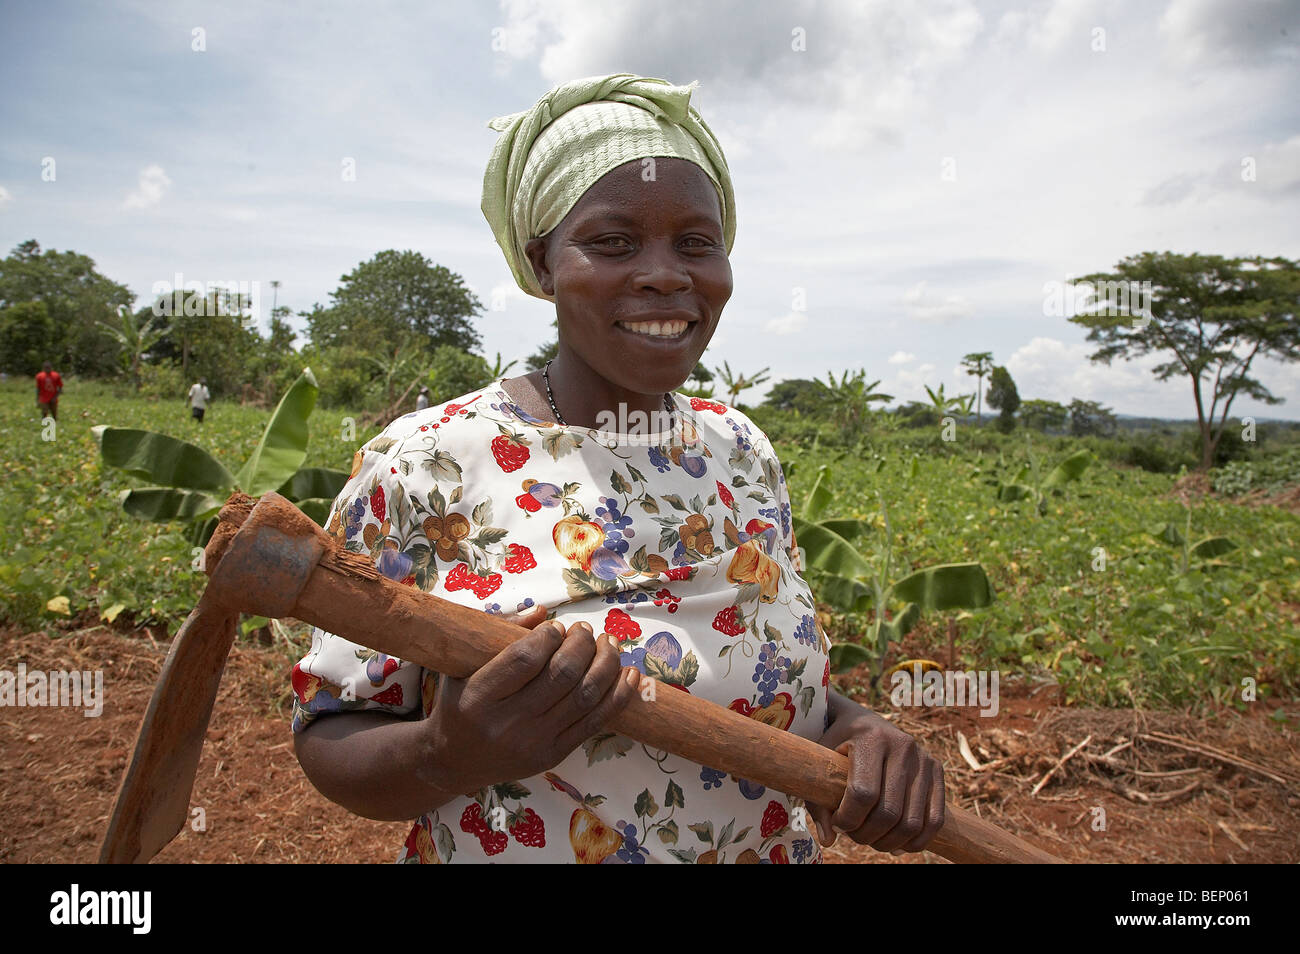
1162	801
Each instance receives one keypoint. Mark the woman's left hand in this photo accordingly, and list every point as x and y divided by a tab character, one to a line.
894	800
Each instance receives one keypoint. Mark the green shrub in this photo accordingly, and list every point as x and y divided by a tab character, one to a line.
163	381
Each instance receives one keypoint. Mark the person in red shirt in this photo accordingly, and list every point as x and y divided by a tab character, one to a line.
48	385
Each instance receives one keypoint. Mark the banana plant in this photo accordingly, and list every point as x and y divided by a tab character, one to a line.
942	403
194	484
135	339
1026	484
852	582
1206	551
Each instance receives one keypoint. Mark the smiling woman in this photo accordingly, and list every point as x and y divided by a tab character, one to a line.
664	552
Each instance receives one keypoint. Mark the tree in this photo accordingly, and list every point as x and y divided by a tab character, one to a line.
943	404
398	293
27	337
1210	316
850	398
1004	397
453	373
1043	415
76	297
978	364
737	382
797	394
133	337
498	370
1089	417
701	375
395	365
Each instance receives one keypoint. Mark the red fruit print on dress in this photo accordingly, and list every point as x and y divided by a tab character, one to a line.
392	696
510	454
528	503
493	842
699	404
665	598
725	495
472	820
774	819
451	409
678	573
485	586
521	558
618	623
728	621
377	506
529	830
458	578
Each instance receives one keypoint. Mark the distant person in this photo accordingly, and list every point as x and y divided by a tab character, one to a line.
422	401
48	386
199	398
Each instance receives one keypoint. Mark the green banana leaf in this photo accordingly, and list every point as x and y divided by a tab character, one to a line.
819	497
850	529
1071	468
844	656
1212	547
947	586
162	459
1009	493
313	482
826	550
318	508
845	594
900	625
283	446
1169	534
167	503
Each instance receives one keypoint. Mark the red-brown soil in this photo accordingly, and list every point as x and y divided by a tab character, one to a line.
59	772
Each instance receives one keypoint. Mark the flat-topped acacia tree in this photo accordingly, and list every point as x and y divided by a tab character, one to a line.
1210	316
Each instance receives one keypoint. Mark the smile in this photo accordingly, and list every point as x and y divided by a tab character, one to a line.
656	329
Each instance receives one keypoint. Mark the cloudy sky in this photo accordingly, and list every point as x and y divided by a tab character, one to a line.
915	176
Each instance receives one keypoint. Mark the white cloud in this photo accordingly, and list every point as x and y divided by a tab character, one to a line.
1270	171
4	195
1055	370
902	357
875	65
787	324
1224	32
149	192
925	306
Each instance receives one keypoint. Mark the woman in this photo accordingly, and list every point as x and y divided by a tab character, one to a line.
658	525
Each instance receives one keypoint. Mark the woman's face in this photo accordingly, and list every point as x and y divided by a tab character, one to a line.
639	273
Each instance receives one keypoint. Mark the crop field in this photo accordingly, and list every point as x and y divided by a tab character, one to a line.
1088	596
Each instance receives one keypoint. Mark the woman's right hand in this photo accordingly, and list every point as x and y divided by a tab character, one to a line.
528	708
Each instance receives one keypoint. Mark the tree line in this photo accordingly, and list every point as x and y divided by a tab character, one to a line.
399	319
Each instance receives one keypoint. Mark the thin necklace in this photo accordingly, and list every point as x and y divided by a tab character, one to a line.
546	376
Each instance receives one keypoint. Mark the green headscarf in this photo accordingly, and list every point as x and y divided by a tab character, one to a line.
548	156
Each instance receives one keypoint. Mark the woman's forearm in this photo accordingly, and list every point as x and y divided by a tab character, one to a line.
375	765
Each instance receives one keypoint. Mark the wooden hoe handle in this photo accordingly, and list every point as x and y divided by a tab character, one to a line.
272	560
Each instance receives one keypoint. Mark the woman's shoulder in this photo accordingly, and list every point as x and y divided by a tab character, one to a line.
465	418
717	421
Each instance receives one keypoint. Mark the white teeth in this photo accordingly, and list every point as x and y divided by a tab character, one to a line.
656	329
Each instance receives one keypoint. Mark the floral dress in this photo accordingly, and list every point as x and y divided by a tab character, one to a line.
678	544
